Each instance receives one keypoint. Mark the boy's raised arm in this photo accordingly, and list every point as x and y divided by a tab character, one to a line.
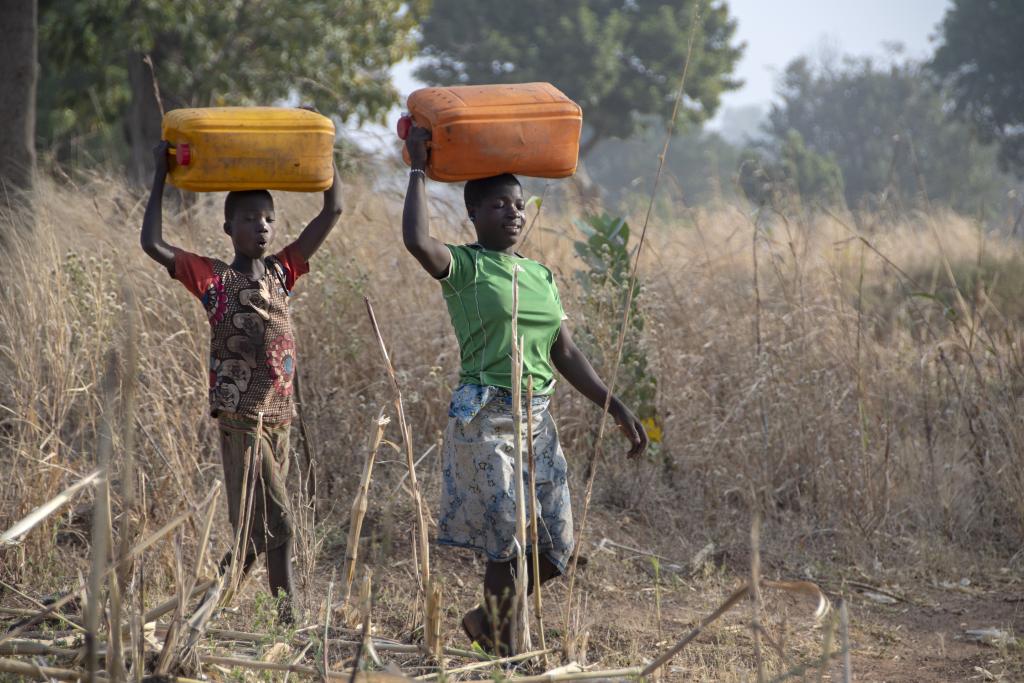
152	238
432	254
314	234
574	366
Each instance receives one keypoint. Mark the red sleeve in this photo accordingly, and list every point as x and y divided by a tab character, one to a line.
295	266
193	271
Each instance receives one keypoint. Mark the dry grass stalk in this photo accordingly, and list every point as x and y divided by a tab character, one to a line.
844	639
521	605
68	597
623	328
166	659
826	650
187	656
802	588
40	513
434	622
366	644
123	566
359	508
755	593
729	603
421	520
534	520
326	662
572	634
101	532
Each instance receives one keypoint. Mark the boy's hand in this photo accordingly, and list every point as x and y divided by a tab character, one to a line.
630	426
416	143
160	158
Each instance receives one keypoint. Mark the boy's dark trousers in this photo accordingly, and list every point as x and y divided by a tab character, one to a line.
258	461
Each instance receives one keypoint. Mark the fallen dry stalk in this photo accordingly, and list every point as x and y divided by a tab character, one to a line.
609	674
135	552
494	662
805	588
40	513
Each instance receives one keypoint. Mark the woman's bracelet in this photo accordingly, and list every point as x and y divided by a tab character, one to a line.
418	171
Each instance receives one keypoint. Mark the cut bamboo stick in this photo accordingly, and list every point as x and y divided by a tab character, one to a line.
421	520
521	605
534	519
359	507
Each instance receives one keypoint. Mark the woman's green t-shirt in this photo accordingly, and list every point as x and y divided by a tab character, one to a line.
478	291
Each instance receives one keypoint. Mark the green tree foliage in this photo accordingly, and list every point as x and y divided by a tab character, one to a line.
698	168
619	59
605	252
796	170
981	58
887	130
333	53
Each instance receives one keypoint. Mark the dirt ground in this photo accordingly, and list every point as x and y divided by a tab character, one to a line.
912	631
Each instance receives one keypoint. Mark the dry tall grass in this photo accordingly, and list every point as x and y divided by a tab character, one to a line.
821	370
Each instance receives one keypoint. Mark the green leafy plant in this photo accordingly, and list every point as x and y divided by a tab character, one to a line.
605	282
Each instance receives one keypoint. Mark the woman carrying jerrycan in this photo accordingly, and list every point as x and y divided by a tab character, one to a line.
478	500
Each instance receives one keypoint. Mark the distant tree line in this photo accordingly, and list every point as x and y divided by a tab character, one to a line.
81	80
867	134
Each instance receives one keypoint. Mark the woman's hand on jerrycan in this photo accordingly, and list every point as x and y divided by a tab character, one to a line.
416	143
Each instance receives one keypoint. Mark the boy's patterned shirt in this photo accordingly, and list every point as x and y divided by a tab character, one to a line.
252	348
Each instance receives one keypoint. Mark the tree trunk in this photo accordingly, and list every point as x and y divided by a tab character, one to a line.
17	96
144	117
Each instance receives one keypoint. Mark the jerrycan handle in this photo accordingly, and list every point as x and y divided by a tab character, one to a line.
182	153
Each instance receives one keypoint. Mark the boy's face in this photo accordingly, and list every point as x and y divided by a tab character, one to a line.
252	226
500	217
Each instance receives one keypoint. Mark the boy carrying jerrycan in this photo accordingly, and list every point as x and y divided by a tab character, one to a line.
252	348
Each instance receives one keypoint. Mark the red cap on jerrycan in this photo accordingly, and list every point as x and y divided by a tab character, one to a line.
404	125
183	154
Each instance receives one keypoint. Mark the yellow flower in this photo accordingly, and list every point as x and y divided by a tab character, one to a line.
654	432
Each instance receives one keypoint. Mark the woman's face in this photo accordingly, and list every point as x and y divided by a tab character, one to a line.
500	217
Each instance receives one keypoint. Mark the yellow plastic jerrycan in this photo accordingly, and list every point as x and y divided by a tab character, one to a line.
479	131
249	148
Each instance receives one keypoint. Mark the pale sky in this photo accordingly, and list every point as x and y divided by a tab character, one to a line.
777	31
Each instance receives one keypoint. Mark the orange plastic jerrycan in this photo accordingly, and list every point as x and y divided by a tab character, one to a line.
250	148
479	131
